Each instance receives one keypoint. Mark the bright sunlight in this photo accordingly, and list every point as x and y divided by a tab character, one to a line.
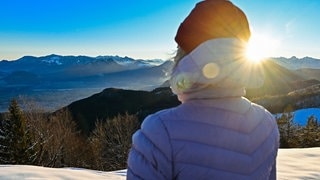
260	47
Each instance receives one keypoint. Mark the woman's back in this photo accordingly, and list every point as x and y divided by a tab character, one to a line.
222	139
211	139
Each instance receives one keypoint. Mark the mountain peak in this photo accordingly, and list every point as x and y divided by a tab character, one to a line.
295	63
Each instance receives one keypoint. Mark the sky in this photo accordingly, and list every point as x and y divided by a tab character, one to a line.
142	29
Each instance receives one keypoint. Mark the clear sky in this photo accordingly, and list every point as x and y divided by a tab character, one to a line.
143	28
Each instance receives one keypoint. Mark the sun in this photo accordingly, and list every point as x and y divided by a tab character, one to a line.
260	47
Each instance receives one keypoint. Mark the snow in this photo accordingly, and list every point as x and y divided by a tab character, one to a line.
298	163
291	164
53	60
126	61
8	172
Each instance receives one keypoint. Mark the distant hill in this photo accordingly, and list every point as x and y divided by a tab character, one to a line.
308	73
280	80
23	77
111	102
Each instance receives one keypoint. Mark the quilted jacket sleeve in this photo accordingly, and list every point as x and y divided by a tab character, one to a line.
150	155
273	174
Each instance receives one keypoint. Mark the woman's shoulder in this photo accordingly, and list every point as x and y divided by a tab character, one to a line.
158	118
261	110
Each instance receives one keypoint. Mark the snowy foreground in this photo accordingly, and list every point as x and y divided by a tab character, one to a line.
292	164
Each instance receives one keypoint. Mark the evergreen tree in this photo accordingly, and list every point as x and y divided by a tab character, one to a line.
4	142
16	145
311	133
288	129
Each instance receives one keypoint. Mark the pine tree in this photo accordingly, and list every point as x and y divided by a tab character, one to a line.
4	142
16	144
311	133
288	129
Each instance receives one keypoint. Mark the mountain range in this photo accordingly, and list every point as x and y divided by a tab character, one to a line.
55	81
295	63
29	69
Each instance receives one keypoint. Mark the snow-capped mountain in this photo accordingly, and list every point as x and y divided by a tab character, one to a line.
295	63
127	61
70	67
47	76
53	62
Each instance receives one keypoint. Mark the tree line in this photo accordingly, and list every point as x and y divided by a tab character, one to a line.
34	137
293	135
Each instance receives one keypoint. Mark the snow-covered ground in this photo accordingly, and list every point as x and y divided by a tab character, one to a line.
291	164
298	163
17	172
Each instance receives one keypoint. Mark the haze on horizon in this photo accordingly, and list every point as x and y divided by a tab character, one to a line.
143	29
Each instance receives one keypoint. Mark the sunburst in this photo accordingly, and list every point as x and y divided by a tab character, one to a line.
260	47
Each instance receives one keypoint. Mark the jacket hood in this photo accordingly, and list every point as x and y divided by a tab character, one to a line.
216	68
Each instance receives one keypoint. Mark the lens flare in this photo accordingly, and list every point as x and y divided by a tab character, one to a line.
210	70
261	47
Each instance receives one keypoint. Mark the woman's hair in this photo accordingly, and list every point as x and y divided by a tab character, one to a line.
180	53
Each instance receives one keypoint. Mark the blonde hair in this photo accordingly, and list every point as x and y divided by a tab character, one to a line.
179	55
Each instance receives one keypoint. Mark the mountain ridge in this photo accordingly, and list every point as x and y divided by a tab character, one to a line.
76	81
295	63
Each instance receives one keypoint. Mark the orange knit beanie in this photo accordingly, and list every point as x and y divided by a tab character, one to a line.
212	19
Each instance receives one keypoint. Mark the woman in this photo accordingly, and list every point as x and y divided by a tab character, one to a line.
215	133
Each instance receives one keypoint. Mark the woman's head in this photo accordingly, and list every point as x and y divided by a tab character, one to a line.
212	19
211	50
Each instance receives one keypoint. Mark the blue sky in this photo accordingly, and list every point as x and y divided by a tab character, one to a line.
141	29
